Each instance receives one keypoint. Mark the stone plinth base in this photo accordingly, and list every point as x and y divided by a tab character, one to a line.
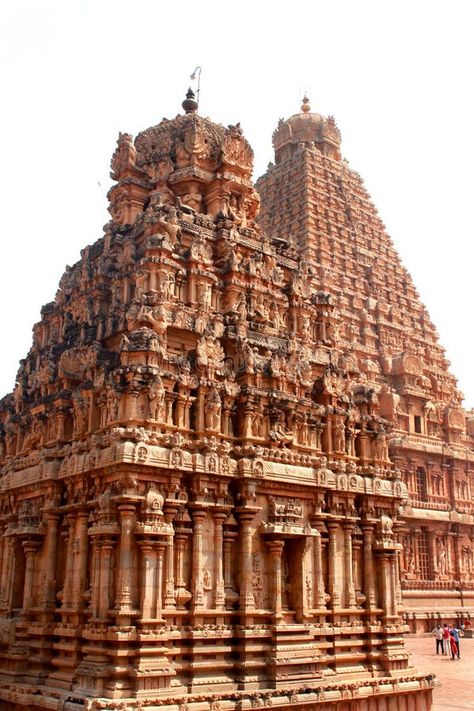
408	694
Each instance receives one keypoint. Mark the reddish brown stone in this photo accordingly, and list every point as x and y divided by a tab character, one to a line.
206	456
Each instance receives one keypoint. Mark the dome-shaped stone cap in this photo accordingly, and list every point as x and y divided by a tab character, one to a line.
193	137
306	127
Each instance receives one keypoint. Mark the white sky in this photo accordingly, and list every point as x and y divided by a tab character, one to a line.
398	77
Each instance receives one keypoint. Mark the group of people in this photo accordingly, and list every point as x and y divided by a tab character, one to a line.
447	640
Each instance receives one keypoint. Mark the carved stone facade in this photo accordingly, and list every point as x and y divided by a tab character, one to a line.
314	202
203	491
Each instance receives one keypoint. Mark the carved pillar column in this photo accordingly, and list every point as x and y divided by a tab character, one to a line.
187	408
69	567
363	444
170	601
386	582
80	560
148	573
7	572
351	598
333	582
182	595
198	517
96	572
276	550
369	579
160	550
123	600
247	600
327	435
30	548
433	557
48	594
394	584
179	410
2	552
320	596
105	570
132	399
219	597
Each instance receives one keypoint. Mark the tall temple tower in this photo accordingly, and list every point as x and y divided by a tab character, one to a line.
208	457
313	201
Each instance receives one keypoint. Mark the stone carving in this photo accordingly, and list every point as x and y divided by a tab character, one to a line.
220	432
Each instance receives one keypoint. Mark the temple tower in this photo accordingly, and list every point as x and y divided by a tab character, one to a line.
313	201
198	505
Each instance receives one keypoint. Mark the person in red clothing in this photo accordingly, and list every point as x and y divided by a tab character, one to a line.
454	646
446	641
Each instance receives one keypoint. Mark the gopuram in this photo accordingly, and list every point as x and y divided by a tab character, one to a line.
233	447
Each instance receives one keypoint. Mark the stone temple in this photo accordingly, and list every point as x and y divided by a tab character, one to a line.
235	468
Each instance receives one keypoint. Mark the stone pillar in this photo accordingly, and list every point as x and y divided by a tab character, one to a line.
198	517
96	571
320	596
124	600
333	584
3	565
433	556
369	580
160	550
2	553
80	548
247	600
7	573
394	584
276	550
69	567
148	581
351	598
105	570
48	594
170	602
182	595
30	548
386	582
231	596
219	597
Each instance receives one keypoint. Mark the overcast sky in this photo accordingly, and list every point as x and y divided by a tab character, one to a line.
397	76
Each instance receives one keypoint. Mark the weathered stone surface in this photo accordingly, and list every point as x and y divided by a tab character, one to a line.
205	459
319	205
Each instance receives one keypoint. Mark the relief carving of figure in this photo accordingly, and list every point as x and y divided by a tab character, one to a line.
212	410
156	400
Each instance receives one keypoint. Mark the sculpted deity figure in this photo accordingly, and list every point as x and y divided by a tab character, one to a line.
241	308
169	226
441	556
112	405
380	445
248	357
212	410
81	411
339	436
156	400
209	355
204	295
278	434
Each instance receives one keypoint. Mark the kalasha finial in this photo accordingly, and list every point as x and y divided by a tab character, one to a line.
305	106
190	105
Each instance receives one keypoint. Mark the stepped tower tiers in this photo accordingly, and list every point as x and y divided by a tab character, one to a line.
198	505
313	203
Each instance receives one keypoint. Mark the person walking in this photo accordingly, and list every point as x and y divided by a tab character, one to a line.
455	634
447	646
438	633
454	645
